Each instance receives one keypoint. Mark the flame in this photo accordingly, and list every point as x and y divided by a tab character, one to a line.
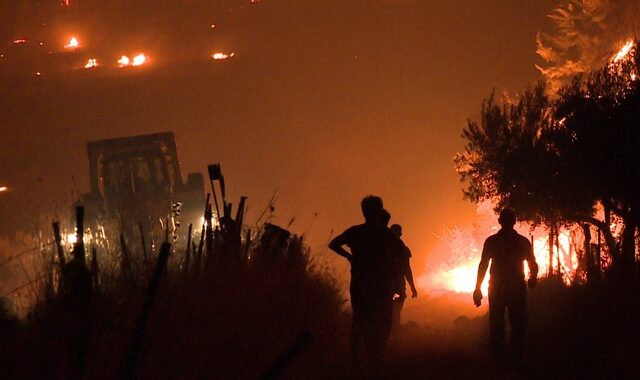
91	63
19	41
461	276
221	56
623	55
124	61
462	279
458	272
73	43
139	60
72	238
3	189
623	52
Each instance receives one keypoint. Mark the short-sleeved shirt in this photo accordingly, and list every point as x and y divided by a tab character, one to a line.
372	249
507	250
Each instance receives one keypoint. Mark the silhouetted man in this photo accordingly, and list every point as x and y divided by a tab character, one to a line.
507	250
403	274
370	288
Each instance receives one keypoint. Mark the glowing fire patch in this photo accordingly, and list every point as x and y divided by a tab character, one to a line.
623	52
458	268
222	56
3	189
124	61
19	41
72	44
461	277
139	60
91	63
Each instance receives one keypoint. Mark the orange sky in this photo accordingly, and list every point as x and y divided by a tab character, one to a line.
324	101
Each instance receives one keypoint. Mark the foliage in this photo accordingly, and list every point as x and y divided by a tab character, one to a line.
555	160
582	36
226	316
510	158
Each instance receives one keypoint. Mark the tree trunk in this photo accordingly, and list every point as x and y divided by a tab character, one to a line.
603	227
628	245
588	256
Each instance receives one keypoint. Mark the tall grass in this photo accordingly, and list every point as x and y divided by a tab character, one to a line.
237	315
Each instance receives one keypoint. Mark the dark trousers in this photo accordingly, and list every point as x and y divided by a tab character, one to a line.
371	322
513	300
397	312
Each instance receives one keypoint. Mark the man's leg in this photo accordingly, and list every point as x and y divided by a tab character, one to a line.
496	326
518	323
357	335
397	314
357	326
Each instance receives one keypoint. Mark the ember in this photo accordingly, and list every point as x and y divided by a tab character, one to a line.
72	44
222	56
139	60
124	61
91	63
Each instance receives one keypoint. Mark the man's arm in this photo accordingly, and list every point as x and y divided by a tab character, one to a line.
336	246
409	275
533	266
482	271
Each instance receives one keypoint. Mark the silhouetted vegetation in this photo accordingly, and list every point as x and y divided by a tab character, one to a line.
238	311
567	160
571	159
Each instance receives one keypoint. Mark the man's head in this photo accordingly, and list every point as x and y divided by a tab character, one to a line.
371	207
396	229
507	218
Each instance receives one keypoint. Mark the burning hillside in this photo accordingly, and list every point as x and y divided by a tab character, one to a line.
68	36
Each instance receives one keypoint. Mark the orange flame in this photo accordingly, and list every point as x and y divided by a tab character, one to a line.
124	61
91	63
20	41
458	272
623	55
139	60
623	52
73	43
461	276
3	189
221	56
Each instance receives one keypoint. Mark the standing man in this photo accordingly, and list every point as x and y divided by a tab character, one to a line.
370	289
507	250
403	272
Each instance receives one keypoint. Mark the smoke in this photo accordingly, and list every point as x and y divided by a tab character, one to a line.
584	35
